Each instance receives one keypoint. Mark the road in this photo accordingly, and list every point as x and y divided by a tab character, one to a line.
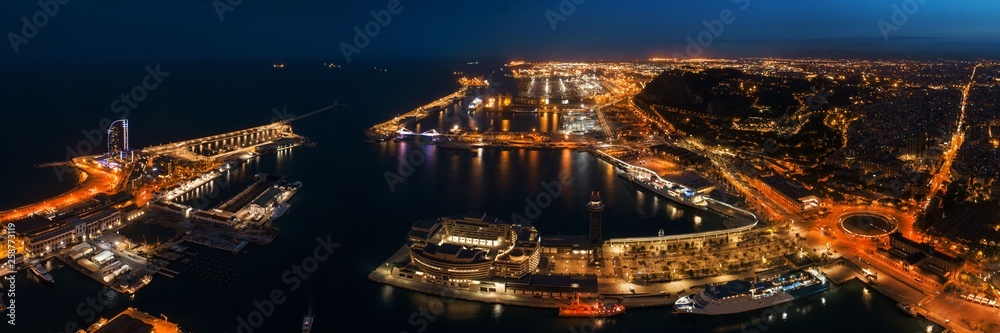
944	173
94	181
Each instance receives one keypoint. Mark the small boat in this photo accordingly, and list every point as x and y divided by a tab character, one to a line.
907	309
280	210
307	322
41	272
578	309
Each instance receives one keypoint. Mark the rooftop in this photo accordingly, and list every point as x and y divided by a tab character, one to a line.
787	187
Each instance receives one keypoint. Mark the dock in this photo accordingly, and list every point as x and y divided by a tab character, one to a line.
215	243
391	126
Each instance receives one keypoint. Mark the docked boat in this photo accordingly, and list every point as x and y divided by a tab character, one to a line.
675	192
41	272
579	309
280	210
909	310
476	105
742	295
307	322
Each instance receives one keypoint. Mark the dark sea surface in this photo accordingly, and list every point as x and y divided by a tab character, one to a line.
347	199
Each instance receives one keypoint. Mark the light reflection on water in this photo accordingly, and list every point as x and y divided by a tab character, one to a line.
504	178
387	292
866	298
497	311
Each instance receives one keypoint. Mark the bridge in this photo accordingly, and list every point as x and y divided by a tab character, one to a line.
432	133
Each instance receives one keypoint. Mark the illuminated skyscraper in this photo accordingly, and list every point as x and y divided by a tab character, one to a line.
118	138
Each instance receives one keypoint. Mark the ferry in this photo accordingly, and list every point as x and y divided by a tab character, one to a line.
907	309
741	295
41	272
578	309
669	190
280	210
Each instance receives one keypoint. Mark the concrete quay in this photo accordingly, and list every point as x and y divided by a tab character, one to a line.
648	295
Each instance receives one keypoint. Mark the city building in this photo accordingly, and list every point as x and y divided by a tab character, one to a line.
791	194
466	249
118	138
59	235
923	259
131	320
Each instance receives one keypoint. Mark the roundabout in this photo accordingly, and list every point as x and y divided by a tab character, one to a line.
867	224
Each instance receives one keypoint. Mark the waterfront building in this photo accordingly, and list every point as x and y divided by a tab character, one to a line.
922	258
791	194
574	244
59	235
132	320
470	248
118	138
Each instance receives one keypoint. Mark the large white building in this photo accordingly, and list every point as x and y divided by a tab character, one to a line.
62	234
472	248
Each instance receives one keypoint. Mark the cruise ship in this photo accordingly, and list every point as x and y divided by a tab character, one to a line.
741	295
672	191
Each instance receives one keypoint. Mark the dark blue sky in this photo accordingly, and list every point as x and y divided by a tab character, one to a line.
499	29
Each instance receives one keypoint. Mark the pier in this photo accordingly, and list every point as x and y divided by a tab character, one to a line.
223	145
392	126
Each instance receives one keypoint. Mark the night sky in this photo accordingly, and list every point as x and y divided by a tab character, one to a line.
494	29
